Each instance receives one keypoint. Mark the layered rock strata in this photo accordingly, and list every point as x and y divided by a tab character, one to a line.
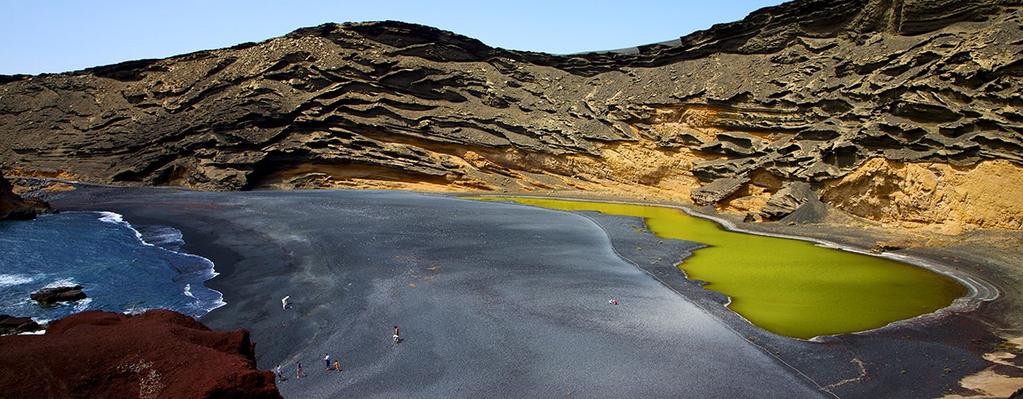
757	116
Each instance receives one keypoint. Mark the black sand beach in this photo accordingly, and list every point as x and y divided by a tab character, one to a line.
505	300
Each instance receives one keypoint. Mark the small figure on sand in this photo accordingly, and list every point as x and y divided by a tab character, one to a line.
397	335
298	370
337	365
279	373
284	302
613	301
326	360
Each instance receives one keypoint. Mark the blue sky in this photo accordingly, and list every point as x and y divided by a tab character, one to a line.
64	35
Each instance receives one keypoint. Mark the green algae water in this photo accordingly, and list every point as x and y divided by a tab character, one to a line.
789	287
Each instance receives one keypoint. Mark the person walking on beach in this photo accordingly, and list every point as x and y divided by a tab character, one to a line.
298	371
284	302
397	335
337	365
326	361
279	373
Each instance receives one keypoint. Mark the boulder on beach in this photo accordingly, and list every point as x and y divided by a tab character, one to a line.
158	354
50	296
17	325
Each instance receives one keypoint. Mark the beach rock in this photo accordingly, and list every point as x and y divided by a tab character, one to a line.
809	90
50	296
811	211
787	200
717	190
13	207
158	354
17	325
888	246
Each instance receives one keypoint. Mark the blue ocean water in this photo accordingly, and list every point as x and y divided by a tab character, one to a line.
122	268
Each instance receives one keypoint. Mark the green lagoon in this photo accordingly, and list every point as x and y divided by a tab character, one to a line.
789	287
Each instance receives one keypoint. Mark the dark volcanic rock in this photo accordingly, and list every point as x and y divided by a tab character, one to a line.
17	325
16	208
787	200
159	354
807	91
717	190
50	296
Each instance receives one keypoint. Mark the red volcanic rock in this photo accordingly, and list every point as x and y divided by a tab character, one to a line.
158	354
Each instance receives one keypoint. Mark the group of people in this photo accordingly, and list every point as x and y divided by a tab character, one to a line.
326	360
300	373
331	364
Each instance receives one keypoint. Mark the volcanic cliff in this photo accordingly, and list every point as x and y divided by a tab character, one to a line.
158	354
902	111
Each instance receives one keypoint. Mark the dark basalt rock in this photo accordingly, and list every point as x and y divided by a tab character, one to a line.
811	211
787	200
50	296
17	325
717	190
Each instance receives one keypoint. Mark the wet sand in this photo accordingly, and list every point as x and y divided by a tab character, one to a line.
506	300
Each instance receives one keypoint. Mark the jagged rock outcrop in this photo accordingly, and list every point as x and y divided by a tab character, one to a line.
806	92
17	325
158	354
50	296
14	207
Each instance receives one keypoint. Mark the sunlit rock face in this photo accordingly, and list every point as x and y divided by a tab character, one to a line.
803	93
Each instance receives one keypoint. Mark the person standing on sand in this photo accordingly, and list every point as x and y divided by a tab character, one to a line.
337	365
397	335
298	372
326	360
284	302
278	373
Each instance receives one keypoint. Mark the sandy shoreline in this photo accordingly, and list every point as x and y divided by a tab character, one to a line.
252	263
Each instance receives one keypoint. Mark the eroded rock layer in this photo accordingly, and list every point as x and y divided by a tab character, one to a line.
804	93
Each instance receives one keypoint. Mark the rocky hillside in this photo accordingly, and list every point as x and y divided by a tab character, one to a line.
903	111
159	354
12	206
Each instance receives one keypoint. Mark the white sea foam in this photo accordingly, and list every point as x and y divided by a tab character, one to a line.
164	237
188	291
116	218
134	310
10	280
64	282
82	305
